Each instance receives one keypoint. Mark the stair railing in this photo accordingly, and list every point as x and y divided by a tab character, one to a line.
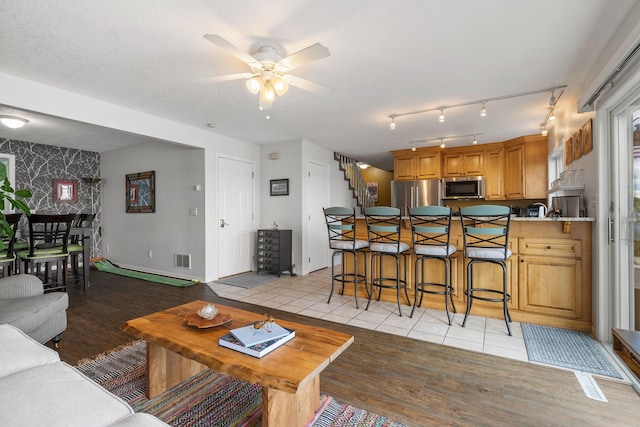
357	183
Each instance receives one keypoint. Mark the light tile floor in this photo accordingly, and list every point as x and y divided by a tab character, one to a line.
307	295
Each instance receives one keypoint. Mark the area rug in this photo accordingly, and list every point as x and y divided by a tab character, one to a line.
567	348
248	280
208	399
107	267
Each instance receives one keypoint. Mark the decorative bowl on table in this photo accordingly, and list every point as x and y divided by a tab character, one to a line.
208	312
207	317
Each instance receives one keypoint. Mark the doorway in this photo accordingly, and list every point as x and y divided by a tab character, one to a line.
235	216
317	196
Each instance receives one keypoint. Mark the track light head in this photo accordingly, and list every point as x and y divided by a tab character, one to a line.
483	111
392	125
441	117
553	99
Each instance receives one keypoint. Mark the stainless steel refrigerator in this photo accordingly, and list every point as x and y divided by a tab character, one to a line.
409	194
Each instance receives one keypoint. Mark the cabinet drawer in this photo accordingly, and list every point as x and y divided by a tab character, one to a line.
565	248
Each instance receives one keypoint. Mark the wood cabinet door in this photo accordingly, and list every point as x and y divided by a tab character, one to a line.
494	176
474	163
551	285
403	168
453	165
514	172
428	165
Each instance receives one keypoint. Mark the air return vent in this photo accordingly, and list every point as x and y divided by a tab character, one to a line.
183	260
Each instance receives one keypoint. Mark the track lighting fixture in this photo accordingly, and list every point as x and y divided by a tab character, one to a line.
442	143
552	117
392	125
483	111
442	139
544	131
475	141
441	118
553	99
413	148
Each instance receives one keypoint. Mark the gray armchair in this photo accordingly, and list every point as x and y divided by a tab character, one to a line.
24	305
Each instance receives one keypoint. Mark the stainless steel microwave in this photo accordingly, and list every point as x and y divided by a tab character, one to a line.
463	187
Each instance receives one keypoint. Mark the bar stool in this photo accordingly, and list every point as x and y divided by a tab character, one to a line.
383	229
341	226
485	230
430	234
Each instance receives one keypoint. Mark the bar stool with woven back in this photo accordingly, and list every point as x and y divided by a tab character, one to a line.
485	230
7	254
384	225
341	226
431	231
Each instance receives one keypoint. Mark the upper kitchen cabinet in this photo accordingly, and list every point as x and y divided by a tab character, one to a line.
525	173
494	175
424	163
463	162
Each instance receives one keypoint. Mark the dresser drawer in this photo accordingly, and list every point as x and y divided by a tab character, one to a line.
564	248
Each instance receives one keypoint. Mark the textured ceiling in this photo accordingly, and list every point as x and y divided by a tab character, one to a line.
387	57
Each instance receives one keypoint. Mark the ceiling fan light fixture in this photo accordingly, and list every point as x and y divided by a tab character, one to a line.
254	85
280	86
13	122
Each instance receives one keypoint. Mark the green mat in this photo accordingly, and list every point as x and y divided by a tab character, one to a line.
107	267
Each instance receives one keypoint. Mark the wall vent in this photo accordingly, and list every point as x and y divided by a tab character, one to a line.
183	260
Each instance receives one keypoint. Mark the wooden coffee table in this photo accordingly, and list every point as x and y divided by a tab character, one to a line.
289	376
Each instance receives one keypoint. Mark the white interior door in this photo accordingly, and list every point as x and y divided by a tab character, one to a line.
317	198
235	216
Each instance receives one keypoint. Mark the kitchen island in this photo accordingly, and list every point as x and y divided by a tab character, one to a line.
548	274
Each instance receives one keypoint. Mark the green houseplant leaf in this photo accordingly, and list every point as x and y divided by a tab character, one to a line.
8	194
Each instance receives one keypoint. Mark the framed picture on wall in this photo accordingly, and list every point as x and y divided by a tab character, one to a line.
587	137
279	187
141	192
577	145
373	190
568	152
65	191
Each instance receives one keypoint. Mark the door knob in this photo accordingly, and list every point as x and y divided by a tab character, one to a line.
222	223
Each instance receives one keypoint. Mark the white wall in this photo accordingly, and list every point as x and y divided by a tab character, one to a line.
288	211
129	237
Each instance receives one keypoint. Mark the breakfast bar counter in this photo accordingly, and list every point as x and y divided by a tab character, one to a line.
548	274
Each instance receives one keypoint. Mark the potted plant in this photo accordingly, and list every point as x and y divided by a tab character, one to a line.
8	195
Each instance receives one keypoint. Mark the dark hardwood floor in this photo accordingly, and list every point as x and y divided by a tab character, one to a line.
414	382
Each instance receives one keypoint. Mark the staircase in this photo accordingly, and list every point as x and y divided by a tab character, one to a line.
357	185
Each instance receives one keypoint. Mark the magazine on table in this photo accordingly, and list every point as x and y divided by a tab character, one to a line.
249	335
257	350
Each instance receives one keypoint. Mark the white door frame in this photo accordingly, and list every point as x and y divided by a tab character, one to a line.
612	293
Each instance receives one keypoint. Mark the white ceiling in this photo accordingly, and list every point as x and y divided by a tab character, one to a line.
387	57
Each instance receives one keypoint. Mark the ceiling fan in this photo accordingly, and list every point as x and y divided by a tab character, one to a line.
269	71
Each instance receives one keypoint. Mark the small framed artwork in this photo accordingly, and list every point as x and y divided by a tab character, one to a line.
141	192
279	187
373	190
568	152
65	191
577	145
587	138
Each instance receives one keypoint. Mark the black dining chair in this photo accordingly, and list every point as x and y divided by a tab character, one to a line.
76	247
48	244
7	254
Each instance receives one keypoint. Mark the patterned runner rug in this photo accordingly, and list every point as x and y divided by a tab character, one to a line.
567	348
208	399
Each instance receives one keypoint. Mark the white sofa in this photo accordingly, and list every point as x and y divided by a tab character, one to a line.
37	389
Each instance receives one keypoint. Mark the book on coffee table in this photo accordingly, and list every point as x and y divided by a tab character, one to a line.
248	335
256	350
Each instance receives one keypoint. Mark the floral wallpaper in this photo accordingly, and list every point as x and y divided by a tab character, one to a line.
37	165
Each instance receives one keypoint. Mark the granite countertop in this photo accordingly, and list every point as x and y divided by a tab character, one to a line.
560	218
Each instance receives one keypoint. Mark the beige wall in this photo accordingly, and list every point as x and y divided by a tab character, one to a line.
383	178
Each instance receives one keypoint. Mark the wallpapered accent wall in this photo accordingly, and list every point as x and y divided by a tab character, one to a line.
37	165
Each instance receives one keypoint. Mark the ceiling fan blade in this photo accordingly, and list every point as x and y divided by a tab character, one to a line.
305	56
227	77
223	43
307	85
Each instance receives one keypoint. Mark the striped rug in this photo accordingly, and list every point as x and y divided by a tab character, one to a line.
208	399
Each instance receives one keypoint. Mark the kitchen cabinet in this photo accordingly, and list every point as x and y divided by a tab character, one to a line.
419	164
274	251
548	273
463	163
494	175
550	277
525	167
